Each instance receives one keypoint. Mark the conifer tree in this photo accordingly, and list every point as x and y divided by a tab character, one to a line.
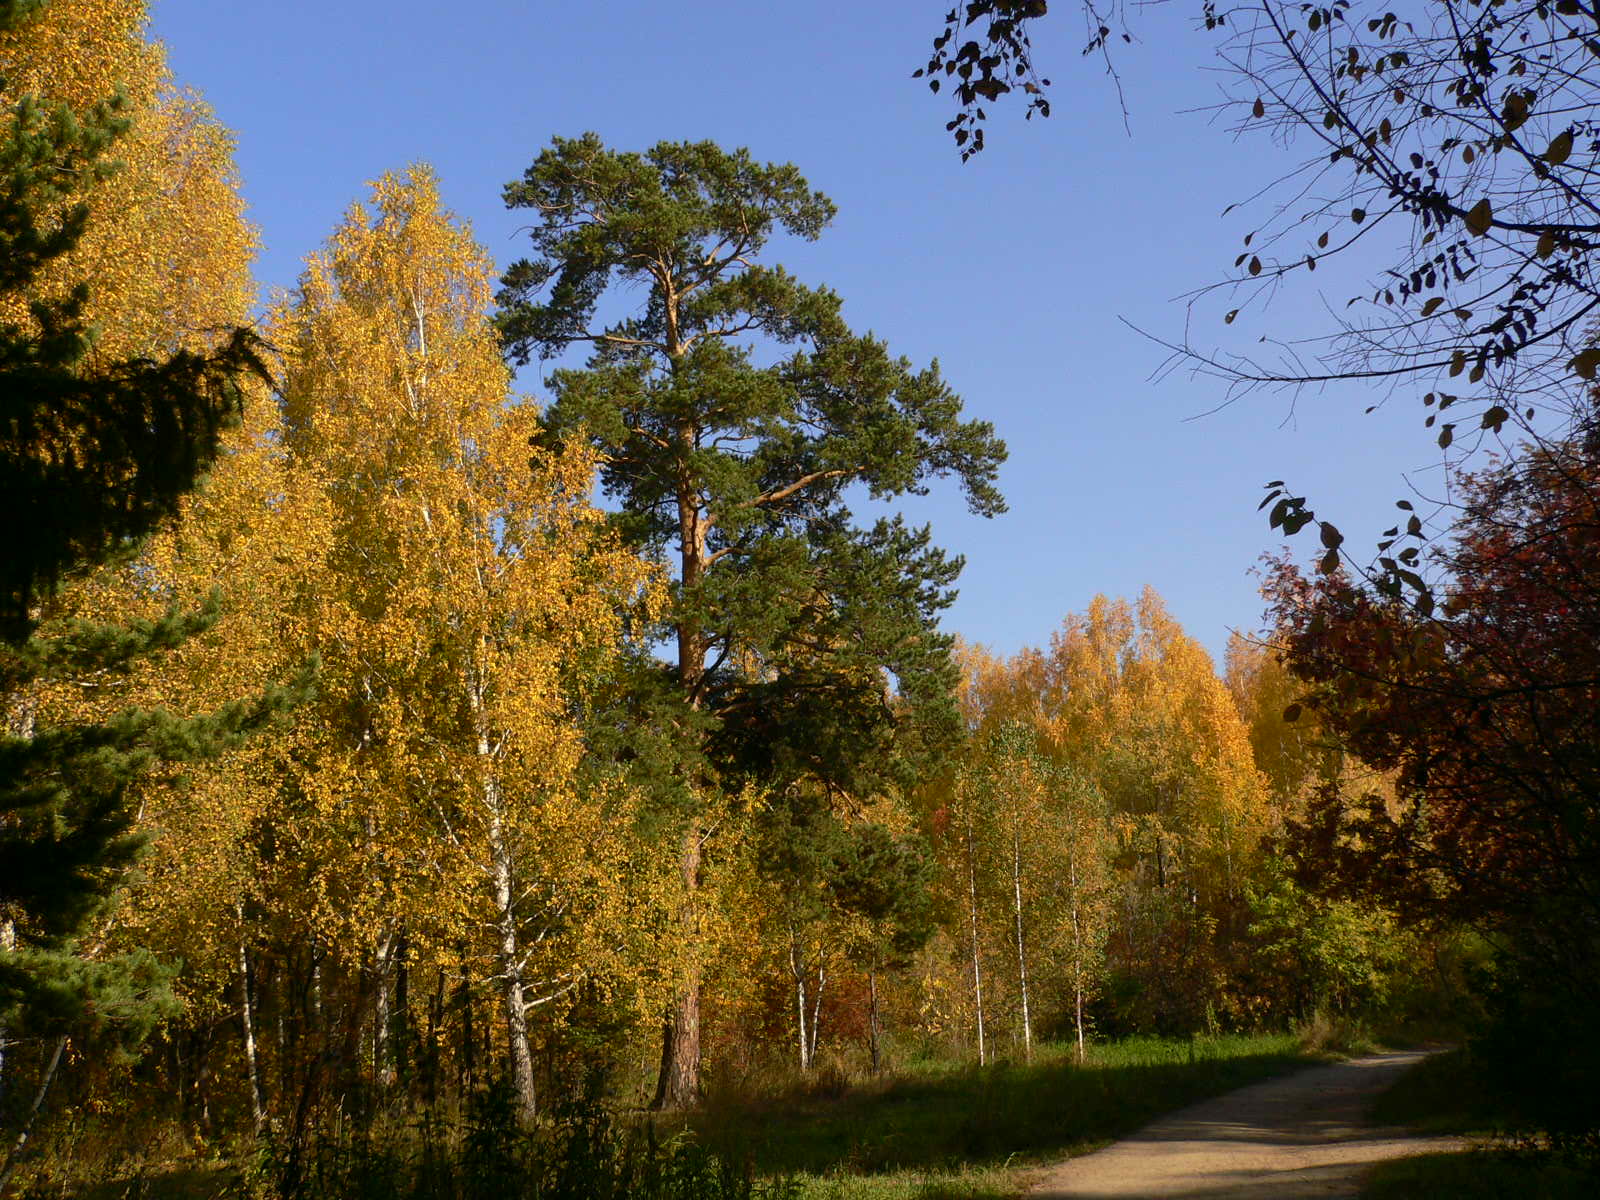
842	890
96	450
734	411
92	453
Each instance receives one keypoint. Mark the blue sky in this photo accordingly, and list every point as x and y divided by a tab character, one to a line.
1021	271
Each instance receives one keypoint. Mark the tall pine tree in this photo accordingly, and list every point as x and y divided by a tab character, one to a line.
735	411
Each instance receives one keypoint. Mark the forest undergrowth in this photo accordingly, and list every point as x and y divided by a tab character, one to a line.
933	1127
1449	1093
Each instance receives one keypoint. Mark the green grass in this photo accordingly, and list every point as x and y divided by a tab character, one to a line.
1477	1175
1445	1095
1441	1094
942	1132
934	1131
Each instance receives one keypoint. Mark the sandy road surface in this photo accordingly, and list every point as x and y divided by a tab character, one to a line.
1293	1138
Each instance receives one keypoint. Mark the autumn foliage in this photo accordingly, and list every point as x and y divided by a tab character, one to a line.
1485	714
500	799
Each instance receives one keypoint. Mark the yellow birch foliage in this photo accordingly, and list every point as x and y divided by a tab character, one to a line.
253	541
1150	796
471	592
1292	750
167	255
166	250
1043	839
256	539
1134	705
1287	752
1137	705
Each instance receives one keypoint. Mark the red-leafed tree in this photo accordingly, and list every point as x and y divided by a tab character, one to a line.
1488	712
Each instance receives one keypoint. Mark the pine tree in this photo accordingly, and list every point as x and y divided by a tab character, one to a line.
92	454
96	451
733	412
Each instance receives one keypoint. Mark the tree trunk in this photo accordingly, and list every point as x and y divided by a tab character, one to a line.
19	723
316	995
401	1034
15	1152
816	1011
972	911
1077	950
797	968
679	1081
511	986
280	996
678	1084
1022	958
8	943
872	1020
247	1018
516	1013
180	1078
502	879
429	1054
382	1073
466	1063
202	1080
389	971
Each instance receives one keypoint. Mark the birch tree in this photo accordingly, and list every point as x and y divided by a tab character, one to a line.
1134	704
476	591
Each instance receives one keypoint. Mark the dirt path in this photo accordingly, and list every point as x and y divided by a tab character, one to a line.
1301	1136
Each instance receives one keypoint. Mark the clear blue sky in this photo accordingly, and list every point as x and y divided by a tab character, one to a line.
1016	270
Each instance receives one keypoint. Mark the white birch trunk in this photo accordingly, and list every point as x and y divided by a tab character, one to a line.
503	881
8	943
258	1111
977	966
382	1055
15	1152
798	970
816	1011
281	1033
1077	950
1022	958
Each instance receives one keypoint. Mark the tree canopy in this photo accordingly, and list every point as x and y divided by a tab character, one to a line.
1485	713
1453	138
95	449
109	416
734	411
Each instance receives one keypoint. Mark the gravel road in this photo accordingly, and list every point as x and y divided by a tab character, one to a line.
1304	1135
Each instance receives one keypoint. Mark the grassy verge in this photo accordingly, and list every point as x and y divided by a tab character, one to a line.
945	1132
1476	1175
1444	1095
934	1131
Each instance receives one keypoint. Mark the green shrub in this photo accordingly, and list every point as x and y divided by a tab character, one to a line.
579	1153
